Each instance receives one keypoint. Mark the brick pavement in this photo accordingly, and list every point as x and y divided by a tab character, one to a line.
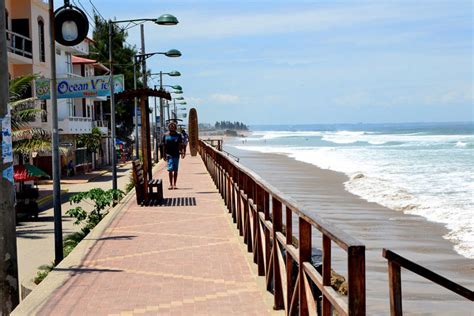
168	260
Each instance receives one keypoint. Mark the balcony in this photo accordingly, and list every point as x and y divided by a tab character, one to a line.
19	48
103	126
75	125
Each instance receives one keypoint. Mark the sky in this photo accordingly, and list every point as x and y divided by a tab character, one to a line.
310	62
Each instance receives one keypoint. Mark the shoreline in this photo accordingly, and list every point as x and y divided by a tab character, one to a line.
377	227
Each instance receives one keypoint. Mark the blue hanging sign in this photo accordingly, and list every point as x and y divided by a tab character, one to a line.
83	87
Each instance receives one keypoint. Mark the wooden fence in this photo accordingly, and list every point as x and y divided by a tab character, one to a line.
258	209
396	262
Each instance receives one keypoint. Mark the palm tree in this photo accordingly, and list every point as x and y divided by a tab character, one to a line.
26	139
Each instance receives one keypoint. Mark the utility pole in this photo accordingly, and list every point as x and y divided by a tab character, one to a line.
155	130
162	110
137	147
112	109
58	226
145	112
8	263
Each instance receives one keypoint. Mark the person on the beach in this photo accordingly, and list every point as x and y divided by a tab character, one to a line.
172	149
185	141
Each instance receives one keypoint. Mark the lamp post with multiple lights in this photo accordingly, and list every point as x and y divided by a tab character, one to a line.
158	131
165	19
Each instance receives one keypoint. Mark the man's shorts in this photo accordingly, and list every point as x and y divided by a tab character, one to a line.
173	163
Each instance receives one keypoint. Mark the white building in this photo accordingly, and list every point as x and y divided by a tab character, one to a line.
29	53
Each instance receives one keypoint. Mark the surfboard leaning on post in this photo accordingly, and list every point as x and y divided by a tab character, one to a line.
193	131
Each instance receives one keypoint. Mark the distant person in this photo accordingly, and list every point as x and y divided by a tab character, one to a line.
172	149
70	168
185	137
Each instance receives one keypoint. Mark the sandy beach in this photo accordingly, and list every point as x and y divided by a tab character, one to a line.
322	192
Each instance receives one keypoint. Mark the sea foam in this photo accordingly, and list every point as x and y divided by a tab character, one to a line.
419	175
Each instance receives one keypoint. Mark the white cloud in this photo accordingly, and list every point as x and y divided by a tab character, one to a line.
317	18
194	101
224	98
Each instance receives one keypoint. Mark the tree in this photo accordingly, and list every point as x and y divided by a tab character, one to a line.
91	142
123	58
26	139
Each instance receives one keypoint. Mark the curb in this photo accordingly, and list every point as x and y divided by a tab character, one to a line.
63	271
48	198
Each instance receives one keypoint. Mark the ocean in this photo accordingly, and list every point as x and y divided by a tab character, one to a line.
425	169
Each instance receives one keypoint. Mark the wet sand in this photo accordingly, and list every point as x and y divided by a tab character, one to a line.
322	192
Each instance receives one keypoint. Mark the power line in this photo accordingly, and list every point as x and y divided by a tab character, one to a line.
97	11
86	12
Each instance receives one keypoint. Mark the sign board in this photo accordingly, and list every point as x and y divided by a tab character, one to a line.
80	87
7	147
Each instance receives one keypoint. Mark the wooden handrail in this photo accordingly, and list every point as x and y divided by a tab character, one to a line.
395	262
340	237
258	209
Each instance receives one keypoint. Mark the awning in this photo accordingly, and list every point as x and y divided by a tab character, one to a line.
120	142
28	172
82	60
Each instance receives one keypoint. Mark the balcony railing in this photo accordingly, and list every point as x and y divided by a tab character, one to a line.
19	44
101	124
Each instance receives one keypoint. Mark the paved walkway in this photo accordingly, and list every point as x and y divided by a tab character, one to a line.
182	259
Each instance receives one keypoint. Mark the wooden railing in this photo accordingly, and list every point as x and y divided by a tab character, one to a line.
214	142
396	262
258	208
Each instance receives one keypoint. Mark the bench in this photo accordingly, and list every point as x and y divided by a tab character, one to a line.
147	191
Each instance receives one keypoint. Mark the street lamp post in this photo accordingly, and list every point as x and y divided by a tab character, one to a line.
146	144
159	134
135	101
165	19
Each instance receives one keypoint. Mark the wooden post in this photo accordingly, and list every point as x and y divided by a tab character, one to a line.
289	259
239	204
234	199
356	280
249	191
145	143
395	288
277	227
260	200
229	190
305	256
266	212
326	272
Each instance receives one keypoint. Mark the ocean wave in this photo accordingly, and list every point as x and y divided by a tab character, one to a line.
284	134
405	182
382	139
461	144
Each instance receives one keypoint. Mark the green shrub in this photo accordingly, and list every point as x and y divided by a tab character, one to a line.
130	185
43	272
102	200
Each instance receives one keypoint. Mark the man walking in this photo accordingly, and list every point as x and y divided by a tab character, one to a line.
172	149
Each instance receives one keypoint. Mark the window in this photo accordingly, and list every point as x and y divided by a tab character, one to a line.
72	109
44	111
42	53
69	69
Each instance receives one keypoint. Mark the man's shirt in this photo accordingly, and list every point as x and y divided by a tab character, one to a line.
172	143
